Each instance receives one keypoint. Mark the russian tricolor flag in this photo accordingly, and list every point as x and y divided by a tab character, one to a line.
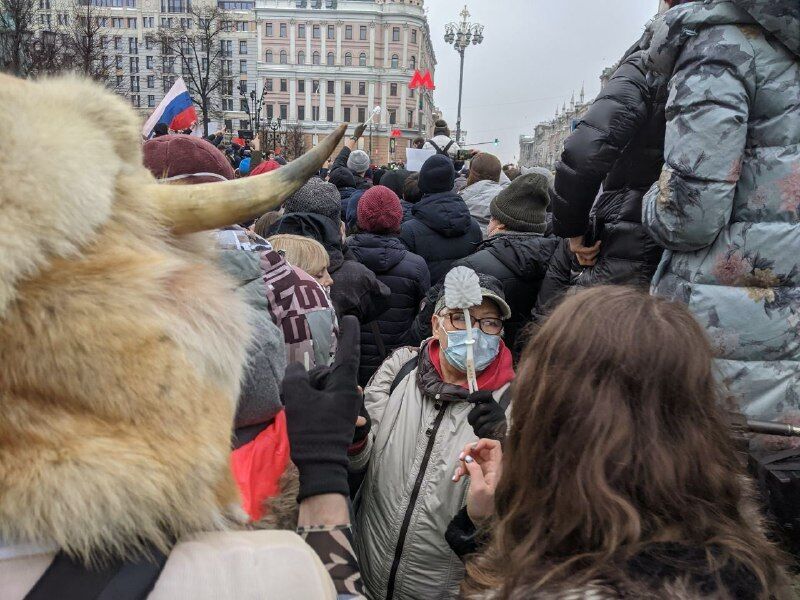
176	110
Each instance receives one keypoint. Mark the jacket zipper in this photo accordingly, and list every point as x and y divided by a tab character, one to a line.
412	501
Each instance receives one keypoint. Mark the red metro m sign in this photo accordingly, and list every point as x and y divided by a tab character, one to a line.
419	80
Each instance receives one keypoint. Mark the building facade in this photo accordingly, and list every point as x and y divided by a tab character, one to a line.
325	62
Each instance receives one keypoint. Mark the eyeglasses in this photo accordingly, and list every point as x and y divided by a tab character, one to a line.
488	325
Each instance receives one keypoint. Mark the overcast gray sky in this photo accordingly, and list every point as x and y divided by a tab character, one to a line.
535	53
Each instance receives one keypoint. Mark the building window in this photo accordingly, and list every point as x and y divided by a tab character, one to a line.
412	64
331	88
329	114
315	58
413	36
301	86
135	101
284	85
410	122
348	32
133	45
242	66
392	116
270	111
362	114
243	104
268	56
268	29
148	43
395	61
395	34
134	64
348	88
330	59
284	57
150	62
315	32
301	32
229	124
362	88
151	100
244	123
131	22
315	86
348	59
331	32
301	58
242	46
117	43
347	114
134	83
315	113
151	81
362	59
268	85
393	89
362	32
148	22
118	61
301	113
284	111
282	30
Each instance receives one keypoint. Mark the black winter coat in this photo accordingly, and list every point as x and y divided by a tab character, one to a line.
441	231
520	262
406	275
619	143
340	162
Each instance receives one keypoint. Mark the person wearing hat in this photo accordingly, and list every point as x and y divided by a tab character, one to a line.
376	247
517	251
315	211
422	416
441	141
356	161
441	229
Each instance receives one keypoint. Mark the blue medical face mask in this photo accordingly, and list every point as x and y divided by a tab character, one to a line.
485	349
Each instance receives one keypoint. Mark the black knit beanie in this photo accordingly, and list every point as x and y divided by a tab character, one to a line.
437	175
522	204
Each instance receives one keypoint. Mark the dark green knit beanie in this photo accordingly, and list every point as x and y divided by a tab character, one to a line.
522	205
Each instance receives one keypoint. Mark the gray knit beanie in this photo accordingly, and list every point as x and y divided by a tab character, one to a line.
318	197
358	162
522	204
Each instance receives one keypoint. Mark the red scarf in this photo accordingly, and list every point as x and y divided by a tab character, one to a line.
492	378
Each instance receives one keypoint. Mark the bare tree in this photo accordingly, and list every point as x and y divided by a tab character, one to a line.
196	47
17	32
295	141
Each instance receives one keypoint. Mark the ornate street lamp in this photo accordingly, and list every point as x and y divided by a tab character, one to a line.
274	125
460	36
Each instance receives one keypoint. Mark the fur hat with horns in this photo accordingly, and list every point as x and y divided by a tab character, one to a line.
121	345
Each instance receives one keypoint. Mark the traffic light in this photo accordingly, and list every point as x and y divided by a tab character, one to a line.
496	142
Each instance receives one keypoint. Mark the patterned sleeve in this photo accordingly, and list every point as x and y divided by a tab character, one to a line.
334	546
707	115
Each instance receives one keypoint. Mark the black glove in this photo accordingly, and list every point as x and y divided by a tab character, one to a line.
488	420
321	419
318	378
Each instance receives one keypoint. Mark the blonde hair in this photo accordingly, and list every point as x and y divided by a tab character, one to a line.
302	252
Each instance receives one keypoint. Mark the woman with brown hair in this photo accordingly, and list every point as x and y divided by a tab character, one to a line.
618	477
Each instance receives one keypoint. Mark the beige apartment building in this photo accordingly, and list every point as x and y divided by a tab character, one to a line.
325	62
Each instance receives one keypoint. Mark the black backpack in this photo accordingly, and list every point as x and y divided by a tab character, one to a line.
443	151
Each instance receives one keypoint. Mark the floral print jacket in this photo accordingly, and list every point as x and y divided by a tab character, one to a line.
727	205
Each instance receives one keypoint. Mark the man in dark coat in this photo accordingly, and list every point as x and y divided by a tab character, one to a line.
620	144
313	211
345	182
441	229
376	246
517	251
355	161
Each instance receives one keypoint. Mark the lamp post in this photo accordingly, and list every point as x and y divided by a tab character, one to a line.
460	36
254	104
274	125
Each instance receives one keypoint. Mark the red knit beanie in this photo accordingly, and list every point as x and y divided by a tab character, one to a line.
186	158
379	211
266	167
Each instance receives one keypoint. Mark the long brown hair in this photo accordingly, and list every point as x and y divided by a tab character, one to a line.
617	440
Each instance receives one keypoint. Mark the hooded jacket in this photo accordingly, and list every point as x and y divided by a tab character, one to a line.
340	162
355	290
441	231
479	196
727	205
406	275
519	261
619	143
408	496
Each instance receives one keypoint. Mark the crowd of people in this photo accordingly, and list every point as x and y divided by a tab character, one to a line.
177	405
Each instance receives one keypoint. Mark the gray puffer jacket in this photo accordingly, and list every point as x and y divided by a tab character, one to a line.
408	497
479	196
727	205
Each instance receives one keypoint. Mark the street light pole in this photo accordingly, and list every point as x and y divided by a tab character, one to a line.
460	36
